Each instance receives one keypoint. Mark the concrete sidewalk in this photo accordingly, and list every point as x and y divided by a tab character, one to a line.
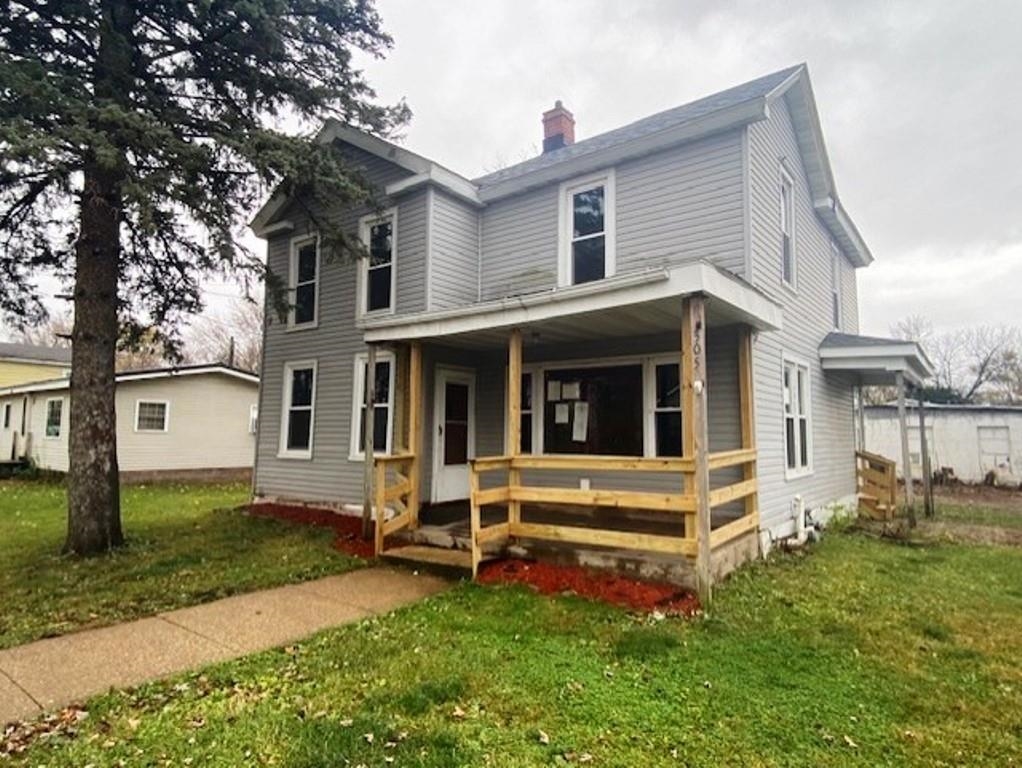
61	670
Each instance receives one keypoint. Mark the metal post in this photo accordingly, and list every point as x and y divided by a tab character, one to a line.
906	458
924	457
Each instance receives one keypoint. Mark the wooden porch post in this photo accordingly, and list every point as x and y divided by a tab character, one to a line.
694	310
414	391
748	413
368	421
514	417
906	458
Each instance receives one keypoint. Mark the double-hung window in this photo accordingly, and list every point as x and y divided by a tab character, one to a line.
151	415
667	409
54	417
298	418
835	286
527	400
787	205
383	405
304	282
253	419
377	270
797	420
588	235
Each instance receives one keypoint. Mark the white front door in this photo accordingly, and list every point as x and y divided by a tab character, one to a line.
453	433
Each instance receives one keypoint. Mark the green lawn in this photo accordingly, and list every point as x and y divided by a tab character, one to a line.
187	544
863	652
1008	515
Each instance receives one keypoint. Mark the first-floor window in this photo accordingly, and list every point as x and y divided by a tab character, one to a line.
299	409
54	416
667	410
595	411
797	431
150	416
527	395
253	419
383	404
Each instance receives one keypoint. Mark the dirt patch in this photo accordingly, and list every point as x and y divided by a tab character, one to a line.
551	579
985	496
347	529
942	530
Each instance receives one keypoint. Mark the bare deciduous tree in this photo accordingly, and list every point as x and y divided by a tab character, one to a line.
233	338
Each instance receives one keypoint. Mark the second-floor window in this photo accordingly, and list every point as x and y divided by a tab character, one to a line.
377	275
787	204
587	209
304	281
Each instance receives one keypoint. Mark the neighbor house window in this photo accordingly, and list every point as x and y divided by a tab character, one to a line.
667	409
787	203
253	419
835	286
7	415
797	426
588	247
151	415
54	416
383	404
304	281
298	419
377	272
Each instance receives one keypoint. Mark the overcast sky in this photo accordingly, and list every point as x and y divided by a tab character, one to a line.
921	105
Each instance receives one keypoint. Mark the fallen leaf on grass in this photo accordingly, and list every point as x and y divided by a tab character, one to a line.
543	738
458	713
850	742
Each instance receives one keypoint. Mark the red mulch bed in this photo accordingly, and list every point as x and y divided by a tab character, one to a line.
550	579
348	529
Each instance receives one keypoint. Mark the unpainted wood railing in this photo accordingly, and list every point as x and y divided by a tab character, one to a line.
682	505
877	485
395	485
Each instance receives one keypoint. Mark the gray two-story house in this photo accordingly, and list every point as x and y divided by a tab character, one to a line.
644	342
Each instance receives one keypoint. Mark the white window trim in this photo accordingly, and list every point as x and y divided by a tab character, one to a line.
46	418
166	415
784	177
362	277
564	223
292	280
355	452
797	472
649	399
537	411
835	286
289	367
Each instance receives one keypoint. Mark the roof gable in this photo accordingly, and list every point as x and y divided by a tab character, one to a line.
34	353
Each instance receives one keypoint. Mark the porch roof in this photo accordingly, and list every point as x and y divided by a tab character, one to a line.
626	305
875	360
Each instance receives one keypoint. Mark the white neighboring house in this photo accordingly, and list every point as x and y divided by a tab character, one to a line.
191	421
972	440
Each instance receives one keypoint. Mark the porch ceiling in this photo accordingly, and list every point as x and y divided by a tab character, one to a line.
628	305
876	361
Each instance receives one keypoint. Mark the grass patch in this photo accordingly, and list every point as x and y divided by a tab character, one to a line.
1007	515
860	653
186	544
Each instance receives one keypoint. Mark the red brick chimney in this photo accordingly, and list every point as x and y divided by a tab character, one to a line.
558	128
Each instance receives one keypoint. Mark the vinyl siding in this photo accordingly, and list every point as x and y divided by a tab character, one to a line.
330	475
208	425
807	319
454	252
681	205
14	373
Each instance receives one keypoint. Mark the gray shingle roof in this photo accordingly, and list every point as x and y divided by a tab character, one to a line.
15	351
836	339
647	126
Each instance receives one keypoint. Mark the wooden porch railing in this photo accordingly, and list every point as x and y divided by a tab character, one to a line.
401	472
683	506
877	485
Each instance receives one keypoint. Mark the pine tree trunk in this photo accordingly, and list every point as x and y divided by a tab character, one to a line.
94	504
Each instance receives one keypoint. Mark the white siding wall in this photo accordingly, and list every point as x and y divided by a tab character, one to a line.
953	436
807	320
208	425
